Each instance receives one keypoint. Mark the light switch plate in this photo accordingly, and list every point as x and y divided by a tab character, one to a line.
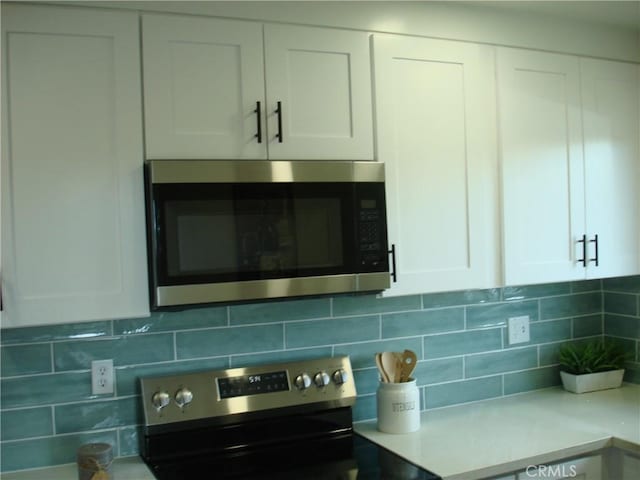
519	329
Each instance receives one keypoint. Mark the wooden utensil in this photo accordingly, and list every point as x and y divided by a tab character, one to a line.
383	375
390	365
408	361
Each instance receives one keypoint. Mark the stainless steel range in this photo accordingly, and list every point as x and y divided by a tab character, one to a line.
286	420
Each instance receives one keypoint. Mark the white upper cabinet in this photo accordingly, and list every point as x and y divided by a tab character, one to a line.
542	166
73	241
569	156
435	132
612	166
322	79
204	79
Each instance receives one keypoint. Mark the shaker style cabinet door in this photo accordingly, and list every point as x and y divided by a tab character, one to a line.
203	79
542	166
435	132
73	239
321	78
612	167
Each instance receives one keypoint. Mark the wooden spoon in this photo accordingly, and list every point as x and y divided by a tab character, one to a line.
390	366
383	375
409	360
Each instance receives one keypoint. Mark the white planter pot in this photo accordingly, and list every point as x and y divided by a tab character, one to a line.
590	382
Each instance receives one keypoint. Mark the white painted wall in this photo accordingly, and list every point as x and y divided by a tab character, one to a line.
470	21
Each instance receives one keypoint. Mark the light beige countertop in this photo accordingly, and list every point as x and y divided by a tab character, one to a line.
480	439
124	468
498	436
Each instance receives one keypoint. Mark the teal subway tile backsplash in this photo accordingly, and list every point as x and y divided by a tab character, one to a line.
45	389
570	305
312	333
622	284
496	315
81	331
227	341
280	311
588	325
445	394
82	417
460	338
466	297
26	359
535	291
461	343
249	359
484	364
621	303
27	422
621	326
123	350
171	321
367	304
45	451
534	379
423	322
362	354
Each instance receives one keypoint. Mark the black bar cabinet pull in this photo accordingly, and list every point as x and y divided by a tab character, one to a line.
583	241
392	252
595	240
258	112
279	112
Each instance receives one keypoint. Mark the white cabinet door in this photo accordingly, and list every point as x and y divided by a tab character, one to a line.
322	79
630	467
202	80
586	468
73	246
435	132
542	166
612	166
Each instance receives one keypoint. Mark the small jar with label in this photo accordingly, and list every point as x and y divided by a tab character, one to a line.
398	406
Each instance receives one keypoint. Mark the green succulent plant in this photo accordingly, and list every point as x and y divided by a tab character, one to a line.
591	357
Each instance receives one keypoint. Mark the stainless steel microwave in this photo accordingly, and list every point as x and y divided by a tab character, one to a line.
225	231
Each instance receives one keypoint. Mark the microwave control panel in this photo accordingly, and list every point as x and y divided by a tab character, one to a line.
372	234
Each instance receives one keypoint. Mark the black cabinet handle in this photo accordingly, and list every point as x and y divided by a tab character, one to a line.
392	252
279	112
583	241
595	240
258	112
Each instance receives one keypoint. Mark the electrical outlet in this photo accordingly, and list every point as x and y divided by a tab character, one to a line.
519	329
101	377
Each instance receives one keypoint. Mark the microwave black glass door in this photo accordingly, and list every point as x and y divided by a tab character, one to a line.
235	232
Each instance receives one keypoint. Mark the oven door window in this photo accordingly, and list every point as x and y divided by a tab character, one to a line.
207	233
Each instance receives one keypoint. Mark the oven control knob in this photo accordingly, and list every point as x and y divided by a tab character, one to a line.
302	381
160	400
321	379
340	376
183	397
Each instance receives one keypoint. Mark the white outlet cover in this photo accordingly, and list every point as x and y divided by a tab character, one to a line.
101	377
519	329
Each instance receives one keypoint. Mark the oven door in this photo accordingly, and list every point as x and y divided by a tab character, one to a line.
238	241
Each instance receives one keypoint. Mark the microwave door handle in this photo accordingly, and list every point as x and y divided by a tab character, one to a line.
392	252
